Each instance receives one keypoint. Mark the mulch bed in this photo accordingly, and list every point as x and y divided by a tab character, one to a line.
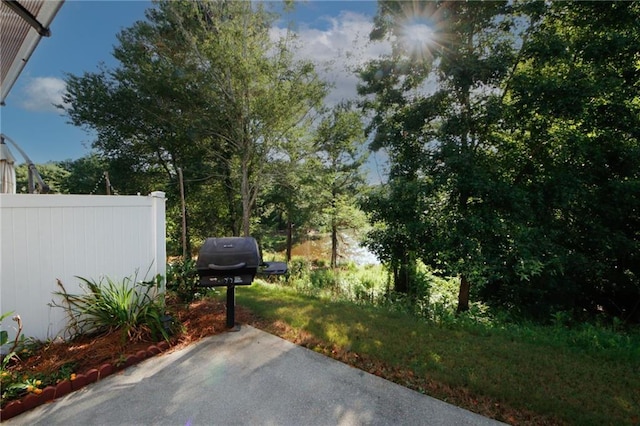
199	319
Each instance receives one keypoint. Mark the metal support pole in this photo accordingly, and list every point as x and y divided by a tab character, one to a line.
231	306
32	171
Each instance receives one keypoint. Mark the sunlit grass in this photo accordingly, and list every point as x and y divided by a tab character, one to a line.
530	371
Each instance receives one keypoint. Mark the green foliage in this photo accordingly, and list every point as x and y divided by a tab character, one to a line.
182	278
441	167
20	344
13	385
203	87
134	307
299	267
52	173
576	132
299	270
4	334
338	142
4	339
323	278
86	175
513	152
291	202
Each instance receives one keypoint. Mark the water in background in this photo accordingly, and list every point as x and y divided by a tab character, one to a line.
318	247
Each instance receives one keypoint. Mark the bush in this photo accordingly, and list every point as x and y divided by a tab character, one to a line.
135	308
322	279
182	278
299	267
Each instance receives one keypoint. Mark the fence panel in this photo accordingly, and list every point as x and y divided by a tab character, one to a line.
44	238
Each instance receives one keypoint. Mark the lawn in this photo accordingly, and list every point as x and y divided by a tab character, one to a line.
520	378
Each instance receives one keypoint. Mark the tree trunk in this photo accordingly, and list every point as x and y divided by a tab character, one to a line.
334	245
400	279
404	273
463	294
246	197
289	239
183	213
334	229
233	221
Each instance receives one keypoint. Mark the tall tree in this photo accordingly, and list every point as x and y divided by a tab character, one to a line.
146	112
293	199
262	92
201	86
434	100
572	148
339	143
515	136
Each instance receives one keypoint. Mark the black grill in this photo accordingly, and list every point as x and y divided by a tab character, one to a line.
232	261
228	261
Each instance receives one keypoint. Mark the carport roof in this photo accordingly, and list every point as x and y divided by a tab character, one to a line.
22	24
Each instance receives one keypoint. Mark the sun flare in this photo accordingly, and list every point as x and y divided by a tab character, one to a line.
418	32
417	35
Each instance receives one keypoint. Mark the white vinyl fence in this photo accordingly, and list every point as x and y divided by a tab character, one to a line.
48	237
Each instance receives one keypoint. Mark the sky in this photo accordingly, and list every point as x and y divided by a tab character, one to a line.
83	35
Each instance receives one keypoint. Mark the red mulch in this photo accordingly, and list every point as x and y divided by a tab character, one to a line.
199	319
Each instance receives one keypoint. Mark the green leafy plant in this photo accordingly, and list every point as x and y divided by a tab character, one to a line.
182	278
4	339
11	384
134	307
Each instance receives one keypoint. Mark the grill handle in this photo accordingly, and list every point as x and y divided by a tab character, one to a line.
227	267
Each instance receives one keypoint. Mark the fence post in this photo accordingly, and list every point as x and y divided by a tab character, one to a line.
158	221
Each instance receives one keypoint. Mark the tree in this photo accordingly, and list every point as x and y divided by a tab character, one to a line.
201	87
262	92
292	199
435	104
339	139
521	161
145	112
53	174
572	151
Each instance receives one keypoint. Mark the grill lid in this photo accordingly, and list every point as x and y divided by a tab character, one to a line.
228	254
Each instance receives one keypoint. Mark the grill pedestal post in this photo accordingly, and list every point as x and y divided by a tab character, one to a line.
231	306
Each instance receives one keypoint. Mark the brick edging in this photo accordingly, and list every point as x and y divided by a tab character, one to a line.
31	400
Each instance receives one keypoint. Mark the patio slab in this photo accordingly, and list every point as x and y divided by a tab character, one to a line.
247	377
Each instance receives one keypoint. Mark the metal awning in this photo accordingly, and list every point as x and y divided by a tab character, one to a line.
22	24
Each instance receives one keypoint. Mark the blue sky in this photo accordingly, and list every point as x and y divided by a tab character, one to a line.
84	34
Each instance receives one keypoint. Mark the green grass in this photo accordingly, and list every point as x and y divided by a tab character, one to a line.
530	371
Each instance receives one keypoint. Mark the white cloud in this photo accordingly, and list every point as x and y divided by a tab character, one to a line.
339	50
43	93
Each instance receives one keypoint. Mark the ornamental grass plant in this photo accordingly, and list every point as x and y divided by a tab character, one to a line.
136	308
